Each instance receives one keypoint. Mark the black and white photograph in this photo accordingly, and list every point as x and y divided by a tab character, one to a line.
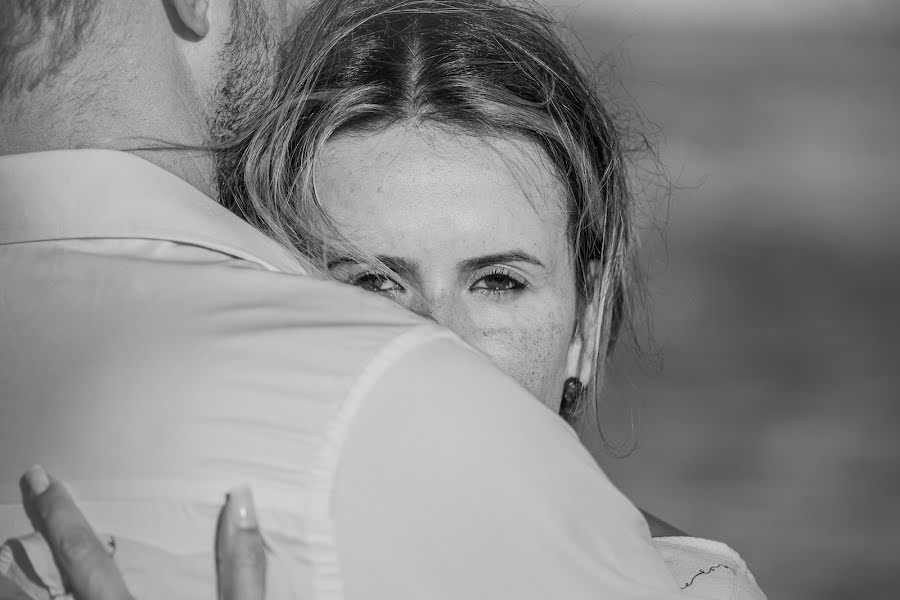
445	299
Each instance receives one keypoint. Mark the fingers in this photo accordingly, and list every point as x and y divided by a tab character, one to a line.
240	552
91	573
82	559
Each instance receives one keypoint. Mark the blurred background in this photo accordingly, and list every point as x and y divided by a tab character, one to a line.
769	420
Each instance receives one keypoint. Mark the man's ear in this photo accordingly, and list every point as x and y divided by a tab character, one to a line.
583	347
193	14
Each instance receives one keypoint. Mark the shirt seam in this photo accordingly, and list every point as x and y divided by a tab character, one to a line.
224	248
328	584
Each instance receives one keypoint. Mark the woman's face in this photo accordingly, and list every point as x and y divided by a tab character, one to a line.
477	231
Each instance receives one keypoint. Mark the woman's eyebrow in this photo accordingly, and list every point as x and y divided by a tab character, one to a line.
472	264
402	266
340	261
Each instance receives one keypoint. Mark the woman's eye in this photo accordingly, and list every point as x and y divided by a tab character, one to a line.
498	282
376	282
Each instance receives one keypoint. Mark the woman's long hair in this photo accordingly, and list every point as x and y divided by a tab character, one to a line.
488	68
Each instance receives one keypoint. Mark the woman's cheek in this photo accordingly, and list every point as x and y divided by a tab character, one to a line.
533	352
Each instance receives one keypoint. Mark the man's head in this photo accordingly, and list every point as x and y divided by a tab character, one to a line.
123	73
38	38
246	65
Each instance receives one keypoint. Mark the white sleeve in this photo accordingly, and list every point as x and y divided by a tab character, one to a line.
455	483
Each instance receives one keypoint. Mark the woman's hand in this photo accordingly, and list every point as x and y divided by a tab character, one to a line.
90	571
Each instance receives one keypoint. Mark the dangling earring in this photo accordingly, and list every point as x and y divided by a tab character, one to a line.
571	393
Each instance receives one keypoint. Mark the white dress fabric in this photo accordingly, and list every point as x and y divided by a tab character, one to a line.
708	569
155	351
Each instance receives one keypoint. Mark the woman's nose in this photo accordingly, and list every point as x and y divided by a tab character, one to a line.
443	305
432	300
421	305
450	313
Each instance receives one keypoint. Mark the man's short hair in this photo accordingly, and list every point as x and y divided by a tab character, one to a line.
38	37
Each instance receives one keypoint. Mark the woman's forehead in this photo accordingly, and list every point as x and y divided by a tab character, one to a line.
429	173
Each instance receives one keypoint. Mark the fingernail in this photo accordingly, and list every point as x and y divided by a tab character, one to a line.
37	480
241	508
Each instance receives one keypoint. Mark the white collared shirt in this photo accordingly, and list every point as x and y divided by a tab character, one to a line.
156	350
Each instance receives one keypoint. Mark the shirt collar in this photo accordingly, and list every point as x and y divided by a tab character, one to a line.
77	194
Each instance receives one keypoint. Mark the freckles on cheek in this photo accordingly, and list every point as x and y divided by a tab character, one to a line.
533	354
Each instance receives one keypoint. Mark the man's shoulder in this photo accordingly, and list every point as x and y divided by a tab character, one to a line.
281	322
215	357
206	315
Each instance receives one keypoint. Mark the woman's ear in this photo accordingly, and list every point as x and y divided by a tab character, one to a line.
583	348
193	14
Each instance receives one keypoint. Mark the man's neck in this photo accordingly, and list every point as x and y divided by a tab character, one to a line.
193	165
147	109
